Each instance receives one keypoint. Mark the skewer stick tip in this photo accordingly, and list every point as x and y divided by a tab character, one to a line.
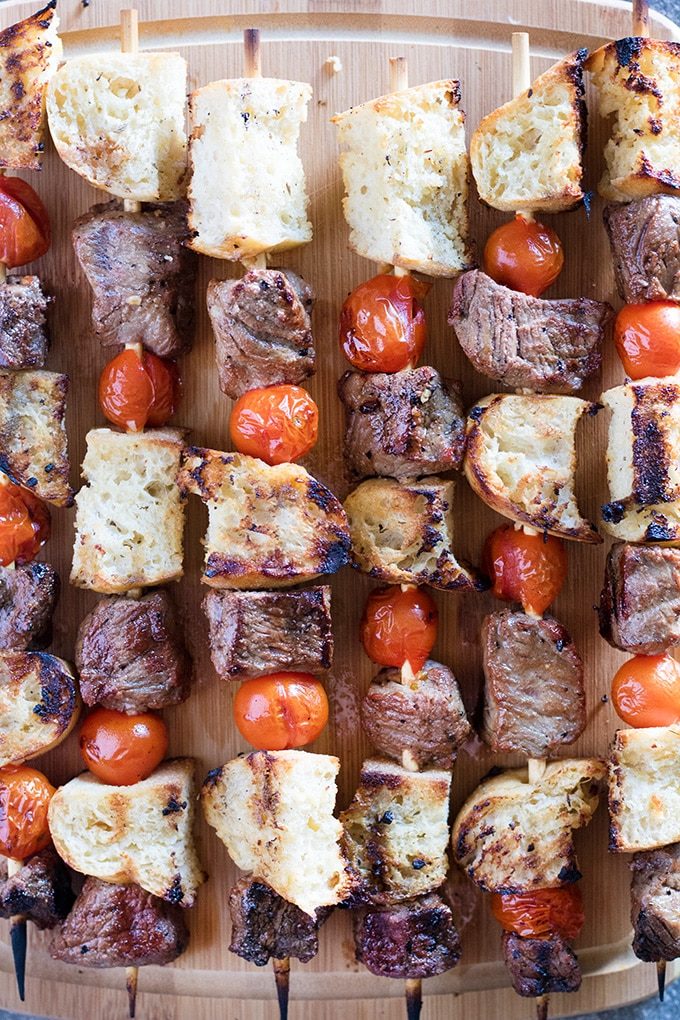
661	978
414	998
542	1004
131	979
640	24
282	978
521	63
398	74
252	55
129	30
18	937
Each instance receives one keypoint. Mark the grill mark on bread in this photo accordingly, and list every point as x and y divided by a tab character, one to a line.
651	456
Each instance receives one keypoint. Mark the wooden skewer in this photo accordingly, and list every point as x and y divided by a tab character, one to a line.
129	43
252	68
641	18
542	1003
398	82
661	978
18	936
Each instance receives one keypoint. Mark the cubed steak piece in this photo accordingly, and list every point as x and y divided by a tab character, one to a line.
640	601
253	633
523	341
541	966
120	926
23	326
264	925
418	723
534	697
40	890
402	424
130	654
142	275
655	903
263	331
416	939
645	243
28	596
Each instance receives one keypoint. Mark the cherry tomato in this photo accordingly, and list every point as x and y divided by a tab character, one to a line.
541	913
24	223
25	795
24	523
278	424
382	323
281	711
524	255
647	339
399	626
646	691
135	392
122	749
525	568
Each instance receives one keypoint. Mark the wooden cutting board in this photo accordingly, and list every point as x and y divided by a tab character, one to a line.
440	38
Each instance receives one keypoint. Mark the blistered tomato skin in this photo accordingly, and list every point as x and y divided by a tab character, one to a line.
135	392
382	324
281	711
540	914
646	691
525	568
25	796
277	424
647	339
399	626
25	524
24	223
122	749
524	255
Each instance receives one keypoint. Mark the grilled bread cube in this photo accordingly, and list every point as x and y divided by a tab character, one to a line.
141	833
247	192
521	460
644	788
637	80
268	527
405	170
514	836
402	532
33	444
117	119
273	810
130	514
527	154
39	704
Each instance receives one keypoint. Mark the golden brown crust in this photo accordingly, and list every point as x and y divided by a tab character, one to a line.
39	704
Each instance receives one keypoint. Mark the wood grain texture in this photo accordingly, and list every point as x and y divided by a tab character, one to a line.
440	38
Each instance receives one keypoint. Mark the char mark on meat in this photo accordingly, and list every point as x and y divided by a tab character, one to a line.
28	596
541	966
640	601
40	890
23	326
645	244
655	904
265	926
415	939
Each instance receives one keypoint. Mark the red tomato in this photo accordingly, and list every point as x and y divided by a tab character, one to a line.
278	424
399	626
135	392
24	223
281	711
122	749
646	691
647	339
24	523
25	795
382	323
524	255
541	913
525	568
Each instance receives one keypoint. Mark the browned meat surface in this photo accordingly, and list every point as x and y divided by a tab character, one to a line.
142	276
534	699
655	903
541	966
253	633
418	723
402	424
263	332
523	341
645	244
23	326
640	601
120	926
130	654
28	596
40	890
416	939
264	925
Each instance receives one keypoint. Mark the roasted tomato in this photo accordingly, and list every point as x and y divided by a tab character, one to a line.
135	391
122	749
542	913
646	691
382	323
399	626
24	523
281	711
647	339
524	255
278	424
525	568
24	223
25	796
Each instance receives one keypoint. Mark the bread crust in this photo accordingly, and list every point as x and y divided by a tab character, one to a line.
39	704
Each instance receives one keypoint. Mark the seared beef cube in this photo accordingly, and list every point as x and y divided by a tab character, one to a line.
523	341
263	332
655	903
640	601
419	722
416	939
402	424
120	926
541	966
534	693
23	329
142	276
130	654
28	596
40	890
253	633
645	244
264	925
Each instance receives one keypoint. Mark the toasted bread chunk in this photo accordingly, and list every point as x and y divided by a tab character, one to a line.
117	119
130	512
521	460
514	836
247	192
268	527
405	170
33	444
527	154
39	704
141	833
273	810
644	788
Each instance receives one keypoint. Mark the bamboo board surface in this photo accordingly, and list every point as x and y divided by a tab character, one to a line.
440	38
